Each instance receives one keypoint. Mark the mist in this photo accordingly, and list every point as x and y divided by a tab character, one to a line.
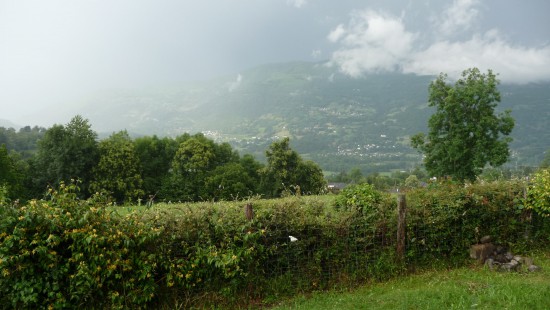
55	55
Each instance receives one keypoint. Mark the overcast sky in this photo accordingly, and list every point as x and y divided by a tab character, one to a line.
60	51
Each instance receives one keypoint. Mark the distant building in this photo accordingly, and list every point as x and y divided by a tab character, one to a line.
335	188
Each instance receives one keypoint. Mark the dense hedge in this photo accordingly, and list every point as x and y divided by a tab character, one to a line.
445	219
213	248
64	252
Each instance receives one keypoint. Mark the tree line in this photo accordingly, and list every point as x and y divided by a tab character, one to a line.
185	168
467	137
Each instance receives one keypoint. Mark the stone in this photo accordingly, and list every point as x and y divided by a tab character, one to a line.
508	267
527	261
489	262
501	258
485	239
481	251
509	256
533	268
500	249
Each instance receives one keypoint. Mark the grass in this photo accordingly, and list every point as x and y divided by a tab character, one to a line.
472	287
325	200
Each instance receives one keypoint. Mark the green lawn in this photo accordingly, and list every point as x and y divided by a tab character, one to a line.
464	288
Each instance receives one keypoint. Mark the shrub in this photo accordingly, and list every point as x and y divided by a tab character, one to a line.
65	252
359	197
4	198
539	193
444	220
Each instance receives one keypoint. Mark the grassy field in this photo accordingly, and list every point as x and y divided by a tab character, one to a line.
465	288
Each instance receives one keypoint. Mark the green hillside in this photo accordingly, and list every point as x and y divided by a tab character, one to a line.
338	121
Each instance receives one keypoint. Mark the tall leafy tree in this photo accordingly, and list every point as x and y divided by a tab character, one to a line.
202	170
65	153
230	181
253	169
6	165
155	156
286	171
118	169
310	178
8	173
192	162
23	141
280	172
465	133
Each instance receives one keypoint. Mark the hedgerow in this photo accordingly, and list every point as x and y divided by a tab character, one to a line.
64	252
444	220
539	193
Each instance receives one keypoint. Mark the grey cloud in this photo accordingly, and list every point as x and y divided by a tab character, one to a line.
516	64
458	17
58	53
376	41
373	41
297	3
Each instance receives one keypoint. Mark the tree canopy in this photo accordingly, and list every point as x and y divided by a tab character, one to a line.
118	171
465	133
286	171
65	153
184	168
155	155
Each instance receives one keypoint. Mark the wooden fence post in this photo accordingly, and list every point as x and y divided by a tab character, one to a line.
528	217
401	225
248	211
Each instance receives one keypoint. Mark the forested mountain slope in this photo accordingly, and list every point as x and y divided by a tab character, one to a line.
336	120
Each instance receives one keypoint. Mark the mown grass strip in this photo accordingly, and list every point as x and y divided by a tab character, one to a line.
463	288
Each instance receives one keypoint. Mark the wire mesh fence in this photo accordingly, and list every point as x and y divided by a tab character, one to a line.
303	245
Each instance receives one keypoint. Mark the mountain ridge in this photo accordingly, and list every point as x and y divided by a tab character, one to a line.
336	120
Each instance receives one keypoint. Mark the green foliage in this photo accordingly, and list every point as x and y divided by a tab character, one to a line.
4	198
310	178
66	252
539	193
24	141
359	197
118	169
208	248
282	163
465	134
229	182
323	115
202	170
286	170
412	181
155	156
444	219
461	288
65	153
193	161
7	169
12	174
